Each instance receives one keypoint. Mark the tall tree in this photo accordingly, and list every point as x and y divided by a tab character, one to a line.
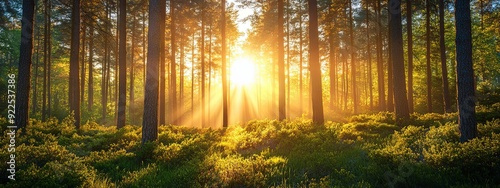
465	72
90	89
132	73
409	30
428	54
314	66
162	70
281	61
122	96
224	76
380	64
353	60
396	40
368	51
173	79
25	62
202	62
74	81
150	117
444	69
46	75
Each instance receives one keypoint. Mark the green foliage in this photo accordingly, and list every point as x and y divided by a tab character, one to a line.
368	151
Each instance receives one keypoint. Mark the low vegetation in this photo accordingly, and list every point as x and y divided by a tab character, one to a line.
364	151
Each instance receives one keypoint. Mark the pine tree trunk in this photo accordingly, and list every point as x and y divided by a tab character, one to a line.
281	62
82	62
122	96
409	22
90	89
428	55
25	61
132	73
224	76
74	81
444	69
353	60
314	66
173	79
396	40
465	72
380	64
162	70
150	116
202	64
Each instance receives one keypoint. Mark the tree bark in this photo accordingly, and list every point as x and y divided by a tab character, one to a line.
162	68
353	61
444	69
90	89
281	62
409	30
396	40
173	79
224	76
122	96
380	64
314	66
150	116
428	54
25	62
74	81
465	72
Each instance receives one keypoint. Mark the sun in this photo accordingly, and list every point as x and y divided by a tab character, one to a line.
242	72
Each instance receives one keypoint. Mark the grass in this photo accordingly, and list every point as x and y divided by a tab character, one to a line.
362	151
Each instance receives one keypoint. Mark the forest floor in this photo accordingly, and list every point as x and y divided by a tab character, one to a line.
361	151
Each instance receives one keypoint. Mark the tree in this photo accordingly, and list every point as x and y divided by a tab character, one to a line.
444	69
90	89
465	73
25	62
150	117
428	54
122	96
281	62
352	48
380	65
162	70
202	62
224	76
396	40
314	66
74	81
409	23
173	79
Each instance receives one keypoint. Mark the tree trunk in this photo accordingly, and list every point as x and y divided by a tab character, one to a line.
409	31
301	64
281	62
90	89
74	81
224	76
122	96
82	62
368	48
45	60
162	70
380	64
390	77
150	116
132	74
314	66
25	61
173	79
465	72
396	40
353	61
202	64
428	54
444	69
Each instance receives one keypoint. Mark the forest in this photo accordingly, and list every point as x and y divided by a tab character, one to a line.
243	93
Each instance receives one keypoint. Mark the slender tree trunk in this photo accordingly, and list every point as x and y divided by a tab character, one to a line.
74	82
397	57
465	72
25	61
202	64
82	60
281	62
45	60
173	79
353	60
91	68
224	76
409	22
132	73
332	70
34	107
289	85
380	64
49	63
442	48
122	96
314	66
301	64
162	70
150	116
428	54
368	51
